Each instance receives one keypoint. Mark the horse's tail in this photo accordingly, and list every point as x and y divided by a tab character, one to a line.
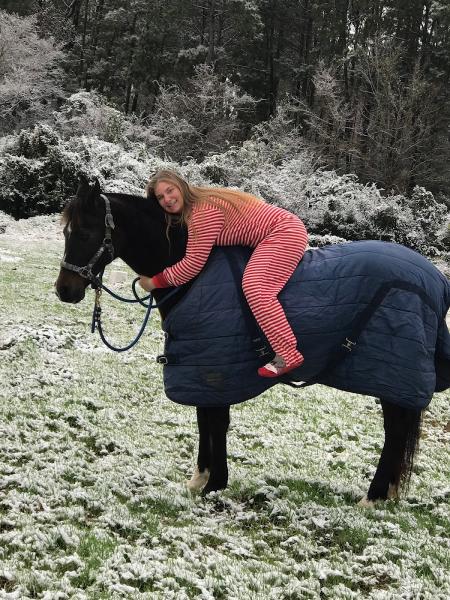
442	358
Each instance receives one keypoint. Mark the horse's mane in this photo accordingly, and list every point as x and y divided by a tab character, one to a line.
75	209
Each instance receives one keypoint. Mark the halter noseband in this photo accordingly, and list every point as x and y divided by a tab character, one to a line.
107	244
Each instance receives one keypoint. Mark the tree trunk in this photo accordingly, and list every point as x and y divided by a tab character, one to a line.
211	19
94	38
270	58
425	36
109	53
134	104
83	42
304	86
129	84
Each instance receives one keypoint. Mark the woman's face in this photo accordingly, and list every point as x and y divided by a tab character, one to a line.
169	197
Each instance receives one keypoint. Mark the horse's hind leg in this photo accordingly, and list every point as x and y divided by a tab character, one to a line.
402	430
211	473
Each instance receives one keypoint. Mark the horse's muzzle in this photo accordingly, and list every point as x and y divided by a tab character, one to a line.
70	287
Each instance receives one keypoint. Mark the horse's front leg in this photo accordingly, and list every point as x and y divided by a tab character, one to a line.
211	473
218	422
201	474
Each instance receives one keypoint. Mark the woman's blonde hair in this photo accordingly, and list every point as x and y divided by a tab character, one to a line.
219	197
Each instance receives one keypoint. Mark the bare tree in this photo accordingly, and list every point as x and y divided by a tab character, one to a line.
385	131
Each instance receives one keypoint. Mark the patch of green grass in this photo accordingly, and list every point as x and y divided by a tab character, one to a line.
151	524
99	595
155	512
436	558
163	507
357	585
307	491
349	538
94	551
427	520
69	477
249	495
295	595
208	539
187	586
35	586
6	585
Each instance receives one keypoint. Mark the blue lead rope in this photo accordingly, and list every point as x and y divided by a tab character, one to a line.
96	315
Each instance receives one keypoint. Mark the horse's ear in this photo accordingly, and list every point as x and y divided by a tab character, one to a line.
96	189
83	187
95	193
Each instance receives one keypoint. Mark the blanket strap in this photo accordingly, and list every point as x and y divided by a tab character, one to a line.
351	341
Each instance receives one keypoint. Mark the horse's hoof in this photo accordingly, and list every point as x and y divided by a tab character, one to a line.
212	489
198	480
393	492
365	503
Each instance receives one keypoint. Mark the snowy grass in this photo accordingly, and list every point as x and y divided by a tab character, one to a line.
94	458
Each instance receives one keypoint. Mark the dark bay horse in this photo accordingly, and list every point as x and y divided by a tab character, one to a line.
139	239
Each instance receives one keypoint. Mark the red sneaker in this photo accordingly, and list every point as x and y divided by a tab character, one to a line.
275	369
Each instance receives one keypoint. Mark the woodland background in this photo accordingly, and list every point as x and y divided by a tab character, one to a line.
338	110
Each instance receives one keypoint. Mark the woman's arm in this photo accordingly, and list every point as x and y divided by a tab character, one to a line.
204	227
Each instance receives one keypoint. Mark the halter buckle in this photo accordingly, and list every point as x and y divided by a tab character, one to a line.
86	273
98	295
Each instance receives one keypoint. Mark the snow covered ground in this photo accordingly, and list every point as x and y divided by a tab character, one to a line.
93	460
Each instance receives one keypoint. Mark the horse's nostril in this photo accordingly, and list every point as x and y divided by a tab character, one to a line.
71	294
63	292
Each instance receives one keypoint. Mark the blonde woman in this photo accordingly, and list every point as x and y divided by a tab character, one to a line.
225	217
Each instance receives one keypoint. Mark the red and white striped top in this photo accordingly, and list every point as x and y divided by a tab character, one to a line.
246	227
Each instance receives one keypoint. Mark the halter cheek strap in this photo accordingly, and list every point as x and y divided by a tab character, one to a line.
107	245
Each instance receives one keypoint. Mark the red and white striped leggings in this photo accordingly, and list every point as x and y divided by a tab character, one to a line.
267	272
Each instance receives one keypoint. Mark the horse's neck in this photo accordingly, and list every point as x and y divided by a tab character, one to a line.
142	245
145	248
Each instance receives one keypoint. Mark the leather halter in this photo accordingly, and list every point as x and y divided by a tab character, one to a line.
107	245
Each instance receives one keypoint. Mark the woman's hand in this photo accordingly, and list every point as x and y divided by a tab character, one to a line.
146	283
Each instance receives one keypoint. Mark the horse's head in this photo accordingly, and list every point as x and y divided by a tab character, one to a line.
84	231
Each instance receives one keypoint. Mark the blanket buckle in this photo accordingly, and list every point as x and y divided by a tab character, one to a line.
162	360
348	345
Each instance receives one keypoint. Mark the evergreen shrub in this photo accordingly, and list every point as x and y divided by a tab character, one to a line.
332	204
86	113
361	213
37	175
39	171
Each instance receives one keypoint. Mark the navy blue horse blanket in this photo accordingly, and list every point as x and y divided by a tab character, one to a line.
369	318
